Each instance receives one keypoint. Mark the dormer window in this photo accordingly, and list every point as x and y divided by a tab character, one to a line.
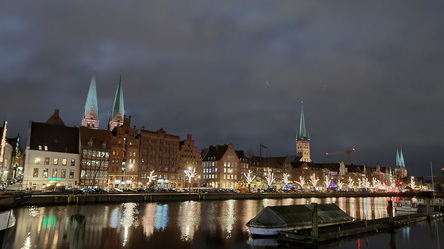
90	143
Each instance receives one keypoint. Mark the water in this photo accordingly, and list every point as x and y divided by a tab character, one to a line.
190	224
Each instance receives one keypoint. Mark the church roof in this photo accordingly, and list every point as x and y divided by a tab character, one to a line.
91	99
55	119
118	106
302	134
54	137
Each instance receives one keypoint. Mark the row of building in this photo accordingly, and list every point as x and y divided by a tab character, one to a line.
125	156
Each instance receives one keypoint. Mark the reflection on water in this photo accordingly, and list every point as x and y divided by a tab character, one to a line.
192	224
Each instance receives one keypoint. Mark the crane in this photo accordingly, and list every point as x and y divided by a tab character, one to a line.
340	152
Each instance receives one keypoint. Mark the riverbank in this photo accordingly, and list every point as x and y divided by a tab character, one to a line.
66	199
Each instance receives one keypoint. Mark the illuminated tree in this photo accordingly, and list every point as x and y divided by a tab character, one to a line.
151	177
351	183
314	180
340	184
270	177
327	181
249	177
301	181
190	174
285	179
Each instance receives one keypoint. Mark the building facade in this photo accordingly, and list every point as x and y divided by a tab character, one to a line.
52	155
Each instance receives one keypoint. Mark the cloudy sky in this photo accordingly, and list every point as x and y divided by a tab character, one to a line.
370	73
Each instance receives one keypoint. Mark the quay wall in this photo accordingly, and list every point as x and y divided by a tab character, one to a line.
64	199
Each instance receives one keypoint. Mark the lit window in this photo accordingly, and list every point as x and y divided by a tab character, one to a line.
35	172
37	160
46	160
45	173
56	161
73	162
71	174
64	161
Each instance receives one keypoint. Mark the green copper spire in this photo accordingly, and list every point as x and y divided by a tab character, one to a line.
302	134
91	99
400	158
118	106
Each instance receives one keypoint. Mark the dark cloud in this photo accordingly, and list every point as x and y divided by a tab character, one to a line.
369	73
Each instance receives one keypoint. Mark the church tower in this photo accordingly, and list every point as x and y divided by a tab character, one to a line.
303	140
400	169
118	111
91	114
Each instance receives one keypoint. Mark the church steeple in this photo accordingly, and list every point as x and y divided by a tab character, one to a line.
303	139
91	114
302	134
118	111
400	159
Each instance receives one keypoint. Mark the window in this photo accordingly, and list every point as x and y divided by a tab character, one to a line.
45	173
54	173
63	174
46	147
40	147
73	162
35	172
46	160
56	160
71	174
37	160
64	161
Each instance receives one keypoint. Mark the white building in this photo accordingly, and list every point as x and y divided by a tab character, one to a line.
52	155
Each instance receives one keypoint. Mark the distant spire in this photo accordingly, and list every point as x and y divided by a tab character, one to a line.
91	113
91	99
400	158
118	111
302	134
118	106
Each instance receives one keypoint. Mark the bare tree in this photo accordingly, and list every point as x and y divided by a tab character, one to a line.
270	177
249	177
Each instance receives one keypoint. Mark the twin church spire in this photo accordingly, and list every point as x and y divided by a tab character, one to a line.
91	114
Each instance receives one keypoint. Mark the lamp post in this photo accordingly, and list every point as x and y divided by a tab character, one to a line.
123	177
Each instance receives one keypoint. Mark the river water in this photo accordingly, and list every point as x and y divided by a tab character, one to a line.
192	224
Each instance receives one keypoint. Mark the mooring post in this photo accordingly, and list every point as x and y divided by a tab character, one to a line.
77	231
314	217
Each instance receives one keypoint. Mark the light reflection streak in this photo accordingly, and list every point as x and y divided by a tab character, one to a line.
128	219
27	244
229	216
148	219
161	218
189	219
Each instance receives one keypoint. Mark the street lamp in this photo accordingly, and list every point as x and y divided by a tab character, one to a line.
123	177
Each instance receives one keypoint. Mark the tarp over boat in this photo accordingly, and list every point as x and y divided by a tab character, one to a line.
298	216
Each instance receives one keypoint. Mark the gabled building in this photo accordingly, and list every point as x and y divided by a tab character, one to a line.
221	167
124	158
189	159
95	157
159	152
52	155
278	166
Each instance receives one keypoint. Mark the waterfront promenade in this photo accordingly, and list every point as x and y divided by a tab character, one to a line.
62	199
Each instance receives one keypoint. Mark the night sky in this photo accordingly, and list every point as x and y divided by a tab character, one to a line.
370	73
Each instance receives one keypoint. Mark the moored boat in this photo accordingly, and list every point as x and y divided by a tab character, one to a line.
8	201
274	219
406	205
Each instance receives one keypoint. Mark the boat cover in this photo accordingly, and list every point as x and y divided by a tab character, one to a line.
298	215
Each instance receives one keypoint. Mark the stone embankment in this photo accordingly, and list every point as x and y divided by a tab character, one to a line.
64	199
